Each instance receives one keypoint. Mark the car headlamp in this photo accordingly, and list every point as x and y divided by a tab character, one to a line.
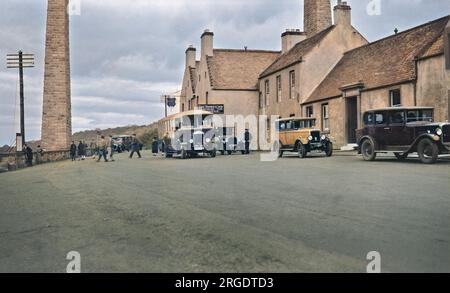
191	141
208	140
323	137
310	138
439	131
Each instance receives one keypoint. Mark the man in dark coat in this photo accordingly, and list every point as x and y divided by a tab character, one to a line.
135	147
28	155
73	151
247	139
155	146
81	151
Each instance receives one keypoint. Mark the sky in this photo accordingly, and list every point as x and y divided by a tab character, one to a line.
126	53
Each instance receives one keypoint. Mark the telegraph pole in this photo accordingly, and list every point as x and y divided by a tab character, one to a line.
21	61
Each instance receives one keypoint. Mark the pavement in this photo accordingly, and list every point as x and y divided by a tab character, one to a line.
227	214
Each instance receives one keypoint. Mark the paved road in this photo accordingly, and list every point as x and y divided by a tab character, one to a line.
228	214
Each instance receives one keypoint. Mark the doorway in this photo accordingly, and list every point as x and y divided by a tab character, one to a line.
352	119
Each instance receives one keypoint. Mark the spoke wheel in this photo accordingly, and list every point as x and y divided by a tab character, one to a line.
428	151
368	150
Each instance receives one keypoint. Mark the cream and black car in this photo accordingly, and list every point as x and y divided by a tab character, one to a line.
300	135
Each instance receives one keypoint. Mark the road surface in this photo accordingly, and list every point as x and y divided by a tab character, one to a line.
228	214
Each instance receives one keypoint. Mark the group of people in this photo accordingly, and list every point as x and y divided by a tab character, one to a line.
105	149
29	155
80	150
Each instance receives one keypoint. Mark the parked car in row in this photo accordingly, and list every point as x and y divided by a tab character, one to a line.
300	135
403	131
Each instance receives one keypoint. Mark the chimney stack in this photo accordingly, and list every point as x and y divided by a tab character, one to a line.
191	54
207	43
290	38
317	16
342	13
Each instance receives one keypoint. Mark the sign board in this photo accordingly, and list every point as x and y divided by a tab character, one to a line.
171	102
19	146
215	109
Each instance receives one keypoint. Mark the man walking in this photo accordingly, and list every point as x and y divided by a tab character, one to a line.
73	151
102	149
111	148
247	139
135	147
81	151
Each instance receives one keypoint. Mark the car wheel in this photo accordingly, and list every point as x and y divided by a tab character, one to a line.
368	150
401	156
222	153
301	151
183	154
229	152
277	148
213	154
168	155
428	151
329	149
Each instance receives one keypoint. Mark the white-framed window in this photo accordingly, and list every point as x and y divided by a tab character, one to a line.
325	117
267	92
279	88
292	84
395	98
309	111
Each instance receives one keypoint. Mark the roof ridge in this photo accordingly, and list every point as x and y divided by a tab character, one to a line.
248	50
399	34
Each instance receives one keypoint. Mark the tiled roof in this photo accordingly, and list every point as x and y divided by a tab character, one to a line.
296	54
384	62
238	69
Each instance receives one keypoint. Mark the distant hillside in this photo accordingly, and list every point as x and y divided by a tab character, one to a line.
145	133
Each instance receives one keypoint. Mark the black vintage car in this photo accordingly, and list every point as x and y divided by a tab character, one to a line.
191	142
403	131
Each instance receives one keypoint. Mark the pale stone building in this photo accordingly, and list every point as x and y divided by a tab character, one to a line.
224	81
307	57
410	68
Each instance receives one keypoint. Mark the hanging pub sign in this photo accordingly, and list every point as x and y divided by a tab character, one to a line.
171	102
215	109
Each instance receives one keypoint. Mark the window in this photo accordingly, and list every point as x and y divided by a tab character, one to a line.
325	117
380	118
279	88
368	119
261	102
281	125
397	117
395	98
182	107
291	84
189	105
207	98
199	77
289	125
267	92
297	124
309	111
419	115
197	101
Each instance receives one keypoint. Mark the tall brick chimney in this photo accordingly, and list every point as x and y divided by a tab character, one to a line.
56	117
317	16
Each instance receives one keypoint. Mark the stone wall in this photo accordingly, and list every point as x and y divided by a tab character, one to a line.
13	161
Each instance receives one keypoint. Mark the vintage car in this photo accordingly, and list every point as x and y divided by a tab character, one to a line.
191	142
300	135
193	135
403	131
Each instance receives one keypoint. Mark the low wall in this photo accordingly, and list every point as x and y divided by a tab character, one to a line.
13	161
